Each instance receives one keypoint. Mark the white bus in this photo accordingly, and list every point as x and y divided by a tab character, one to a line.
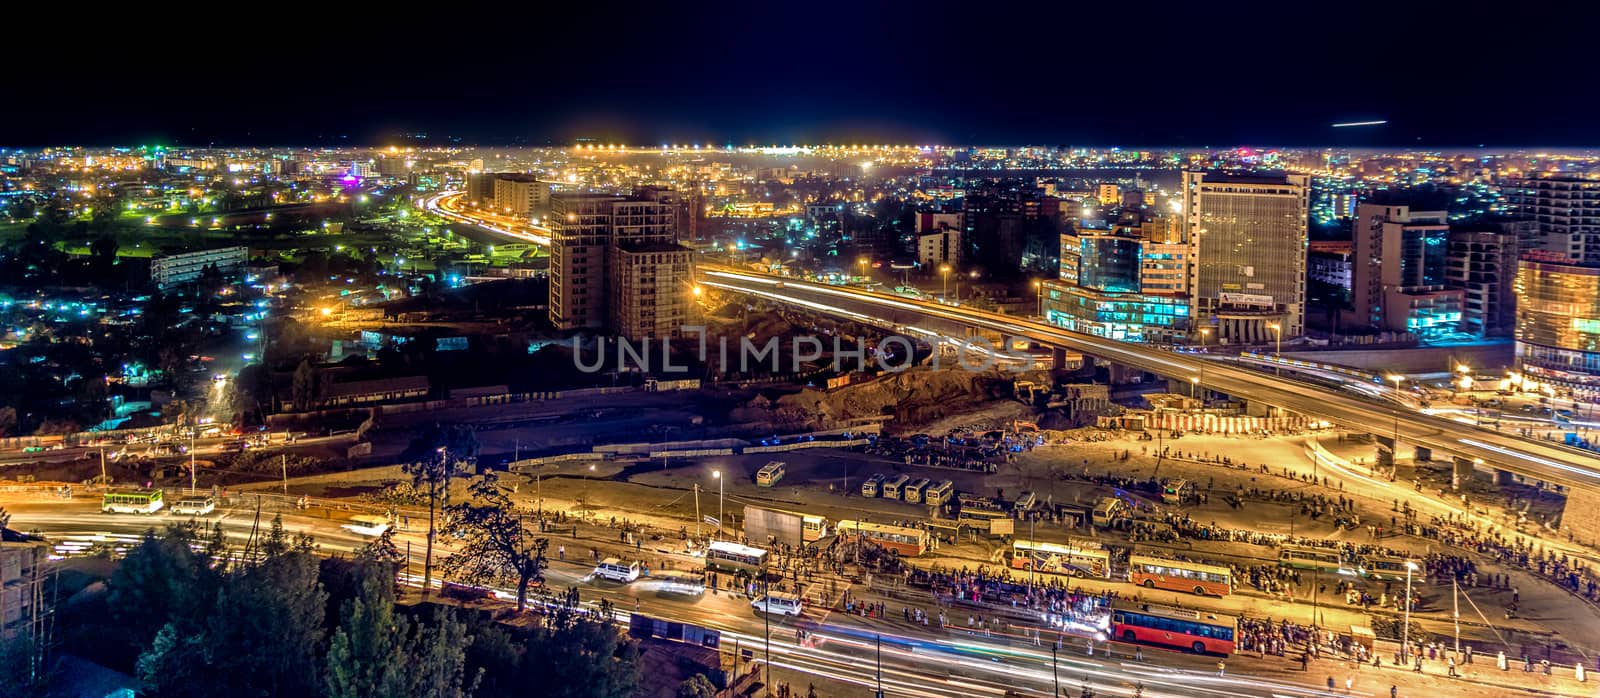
1107	511
1078	559
770	474
367	524
940	494
872	486
1310	558
727	556
913	491
891	489
617	570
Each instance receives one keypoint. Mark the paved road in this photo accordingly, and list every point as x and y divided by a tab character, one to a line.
913	662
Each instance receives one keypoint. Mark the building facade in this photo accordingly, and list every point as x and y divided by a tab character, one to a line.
1558	324
1483	264
1399	280
168	271
1247	253
615	262
521	195
1566	211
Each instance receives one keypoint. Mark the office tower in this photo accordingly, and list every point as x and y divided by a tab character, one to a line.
521	195
1247	252
1483	264
614	262
1566	210
1399	278
1558	323
480	188
1124	280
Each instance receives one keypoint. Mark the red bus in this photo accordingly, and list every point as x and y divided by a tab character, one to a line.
908	542
1177	575
1199	632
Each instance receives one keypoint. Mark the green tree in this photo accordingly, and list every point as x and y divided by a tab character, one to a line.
433	460
264	638
498	542
697	686
364	656
577	656
162	581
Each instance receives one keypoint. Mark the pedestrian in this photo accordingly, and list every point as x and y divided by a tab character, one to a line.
1222	667
1452	666
1394	692
1330	684
1349	681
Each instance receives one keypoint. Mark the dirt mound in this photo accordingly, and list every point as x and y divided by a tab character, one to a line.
913	397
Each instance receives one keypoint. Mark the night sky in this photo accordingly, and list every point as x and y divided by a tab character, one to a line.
1128	73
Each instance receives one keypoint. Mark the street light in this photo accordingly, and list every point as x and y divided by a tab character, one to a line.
717	475
1405	632
1194	384
1038	287
1394	450
1205	334
945	270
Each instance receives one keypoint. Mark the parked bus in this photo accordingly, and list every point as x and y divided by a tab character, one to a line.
132	502
726	556
1176	627
1177	575
873	486
891	489
1309	558
908	542
940	494
1108	510
813	528
1078	559
1176	490
1387	569
770	474
980	513
913	491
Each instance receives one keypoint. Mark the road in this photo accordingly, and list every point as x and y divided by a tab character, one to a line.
914	662
448	205
1549	462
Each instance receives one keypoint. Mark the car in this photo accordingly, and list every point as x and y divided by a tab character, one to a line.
33	449
194	505
779	603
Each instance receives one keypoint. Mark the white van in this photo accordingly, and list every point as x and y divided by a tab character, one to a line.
779	603
617	570
367	524
193	505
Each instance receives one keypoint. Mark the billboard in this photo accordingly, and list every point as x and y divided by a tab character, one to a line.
765	526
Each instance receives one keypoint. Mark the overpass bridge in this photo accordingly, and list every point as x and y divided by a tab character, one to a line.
1571	469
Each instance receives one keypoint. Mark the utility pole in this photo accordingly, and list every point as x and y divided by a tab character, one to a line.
697	510
1455	612
879	643
103	466
1054	677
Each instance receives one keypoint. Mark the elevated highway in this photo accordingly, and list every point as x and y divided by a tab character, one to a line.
1547	462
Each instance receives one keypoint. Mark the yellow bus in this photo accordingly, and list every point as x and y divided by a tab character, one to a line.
940	494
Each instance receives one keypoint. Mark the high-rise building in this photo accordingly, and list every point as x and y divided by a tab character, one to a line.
1399	281
1483	264
1247	253
1567	211
521	195
1109	195
480	188
1123	281
1558	323
615	262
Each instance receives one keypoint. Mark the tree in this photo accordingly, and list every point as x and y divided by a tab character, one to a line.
304	391
432	461
576	655
162	582
498	541
364	655
697	686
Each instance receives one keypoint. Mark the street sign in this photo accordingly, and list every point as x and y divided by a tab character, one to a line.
712	520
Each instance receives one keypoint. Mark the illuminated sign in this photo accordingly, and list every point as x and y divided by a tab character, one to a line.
1586	325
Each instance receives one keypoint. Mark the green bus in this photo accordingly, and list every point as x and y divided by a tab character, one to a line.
139	501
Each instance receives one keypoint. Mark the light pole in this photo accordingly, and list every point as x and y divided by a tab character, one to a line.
863	262
944	269
1405	631
1038	288
717	475
1205	334
1394	459
1194	384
